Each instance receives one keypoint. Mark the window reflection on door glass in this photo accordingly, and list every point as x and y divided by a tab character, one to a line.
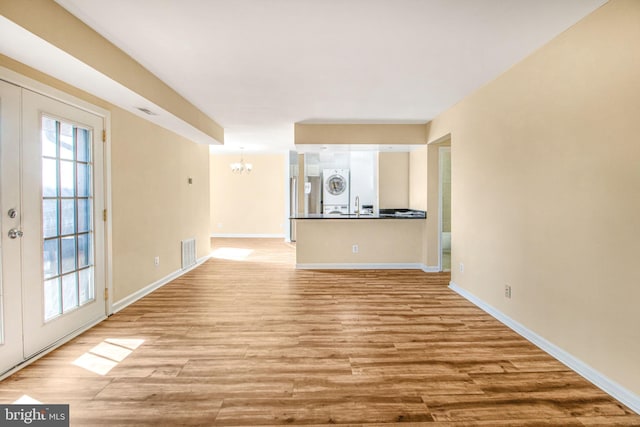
49	136
67	144
51	258
49	177
84	250
68	217
67	184
49	218
85	279
82	144
69	292
84	175
84	215
52	294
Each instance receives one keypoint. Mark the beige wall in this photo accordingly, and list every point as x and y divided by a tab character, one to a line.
382	241
387	134
248	204
418	179
546	191
393	180
153	206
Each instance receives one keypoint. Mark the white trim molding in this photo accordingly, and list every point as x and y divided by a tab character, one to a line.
628	398
431	268
355	266
127	301
248	236
441	150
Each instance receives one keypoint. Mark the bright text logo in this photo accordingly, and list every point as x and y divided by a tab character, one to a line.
34	415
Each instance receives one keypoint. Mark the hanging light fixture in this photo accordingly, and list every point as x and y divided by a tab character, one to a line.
241	166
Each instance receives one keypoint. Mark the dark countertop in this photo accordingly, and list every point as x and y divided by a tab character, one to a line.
383	214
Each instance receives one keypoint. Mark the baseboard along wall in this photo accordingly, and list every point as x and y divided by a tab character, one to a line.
128	300
601	381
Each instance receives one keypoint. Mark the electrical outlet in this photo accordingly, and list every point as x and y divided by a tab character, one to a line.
461	268
156	260
354	249
507	291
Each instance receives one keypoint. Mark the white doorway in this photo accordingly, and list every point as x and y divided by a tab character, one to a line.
444	204
53	234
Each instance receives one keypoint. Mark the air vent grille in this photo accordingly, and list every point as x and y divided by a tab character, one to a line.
188	253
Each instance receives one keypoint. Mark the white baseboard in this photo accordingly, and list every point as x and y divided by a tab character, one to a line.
604	383
430	269
124	302
248	236
354	266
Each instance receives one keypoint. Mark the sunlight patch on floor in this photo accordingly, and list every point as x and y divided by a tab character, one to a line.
105	356
26	400
234	254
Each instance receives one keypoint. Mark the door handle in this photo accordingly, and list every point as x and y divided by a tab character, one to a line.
12	213
14	233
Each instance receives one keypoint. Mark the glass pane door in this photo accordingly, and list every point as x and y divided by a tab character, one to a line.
67	223
63	269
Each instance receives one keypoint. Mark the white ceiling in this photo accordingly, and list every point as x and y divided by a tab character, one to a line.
259	66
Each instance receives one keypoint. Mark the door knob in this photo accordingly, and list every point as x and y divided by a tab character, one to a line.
14	233
12	213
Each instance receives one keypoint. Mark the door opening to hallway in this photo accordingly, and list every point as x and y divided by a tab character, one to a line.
444	154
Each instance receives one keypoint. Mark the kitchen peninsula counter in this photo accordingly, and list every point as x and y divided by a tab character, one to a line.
390	214
391	239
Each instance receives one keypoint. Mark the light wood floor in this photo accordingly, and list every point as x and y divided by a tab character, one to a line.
256	342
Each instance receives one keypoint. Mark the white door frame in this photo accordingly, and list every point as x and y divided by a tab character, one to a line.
15	78
440	194
11	352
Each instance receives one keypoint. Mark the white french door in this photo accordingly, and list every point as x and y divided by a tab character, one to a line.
62	199
53	250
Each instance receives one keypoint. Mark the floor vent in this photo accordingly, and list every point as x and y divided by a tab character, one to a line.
188	253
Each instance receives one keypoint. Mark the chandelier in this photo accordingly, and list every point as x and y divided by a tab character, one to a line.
241	166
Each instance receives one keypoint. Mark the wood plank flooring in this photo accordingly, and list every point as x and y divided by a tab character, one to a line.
251	341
